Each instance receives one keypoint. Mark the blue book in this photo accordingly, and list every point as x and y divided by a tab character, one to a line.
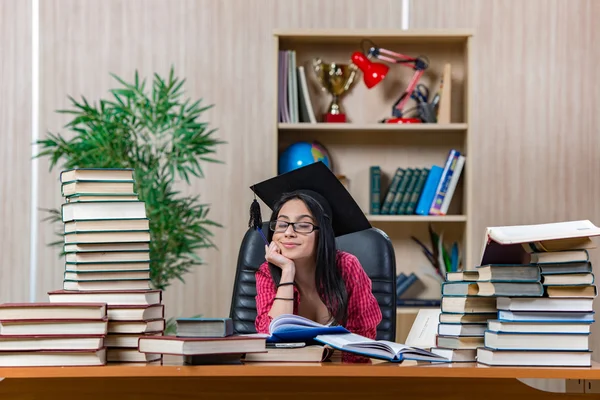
289	328
429	190
405	284
379	349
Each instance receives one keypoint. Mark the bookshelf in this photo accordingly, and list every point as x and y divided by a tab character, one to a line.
362	141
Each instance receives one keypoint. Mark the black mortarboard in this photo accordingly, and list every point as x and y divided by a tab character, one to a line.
317	181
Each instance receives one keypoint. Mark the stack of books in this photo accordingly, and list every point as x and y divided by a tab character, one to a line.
463	318
45	334
539	279
204	341
107	254
548	324
552	330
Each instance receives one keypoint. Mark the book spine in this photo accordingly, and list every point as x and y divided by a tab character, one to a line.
412	278
409	191
428	192
391	193
375	190
412	204
401	190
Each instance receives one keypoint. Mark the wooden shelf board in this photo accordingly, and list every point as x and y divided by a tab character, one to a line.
349	127
417	218
380	35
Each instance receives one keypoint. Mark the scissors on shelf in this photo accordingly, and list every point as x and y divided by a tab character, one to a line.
421	94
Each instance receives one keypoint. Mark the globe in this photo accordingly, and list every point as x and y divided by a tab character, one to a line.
301	154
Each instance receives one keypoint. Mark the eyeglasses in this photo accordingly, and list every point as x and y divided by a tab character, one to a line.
298	227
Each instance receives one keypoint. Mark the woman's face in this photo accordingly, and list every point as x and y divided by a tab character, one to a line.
296	245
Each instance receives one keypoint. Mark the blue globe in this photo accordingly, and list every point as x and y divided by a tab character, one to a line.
301	154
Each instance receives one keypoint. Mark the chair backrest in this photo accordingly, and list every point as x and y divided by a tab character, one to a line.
373	249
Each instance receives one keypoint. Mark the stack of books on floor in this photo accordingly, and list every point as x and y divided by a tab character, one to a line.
204	341
550	327
107	246
45	334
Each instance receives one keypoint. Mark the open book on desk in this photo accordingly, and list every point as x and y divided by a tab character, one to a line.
380	349
294	328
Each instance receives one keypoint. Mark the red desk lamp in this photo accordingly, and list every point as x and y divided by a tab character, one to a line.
375	72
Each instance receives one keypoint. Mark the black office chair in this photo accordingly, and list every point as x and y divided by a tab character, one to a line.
373	249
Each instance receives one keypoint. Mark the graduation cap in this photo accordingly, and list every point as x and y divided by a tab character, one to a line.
317	181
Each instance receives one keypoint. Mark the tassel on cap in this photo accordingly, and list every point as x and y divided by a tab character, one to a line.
255	221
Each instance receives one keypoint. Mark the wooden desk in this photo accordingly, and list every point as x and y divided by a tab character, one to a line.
284	381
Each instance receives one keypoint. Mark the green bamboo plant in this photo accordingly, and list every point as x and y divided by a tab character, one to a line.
159	134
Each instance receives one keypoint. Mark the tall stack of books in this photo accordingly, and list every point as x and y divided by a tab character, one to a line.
45	334
106	241
550	327
539	279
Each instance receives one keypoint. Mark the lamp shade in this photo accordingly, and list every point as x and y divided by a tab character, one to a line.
373	72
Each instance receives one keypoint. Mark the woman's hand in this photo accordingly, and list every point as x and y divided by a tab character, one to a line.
274	256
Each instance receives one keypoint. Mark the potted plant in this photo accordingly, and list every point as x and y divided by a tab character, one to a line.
158	133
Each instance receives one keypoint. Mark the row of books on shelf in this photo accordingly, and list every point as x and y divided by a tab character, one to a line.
293	102
420	191
532	307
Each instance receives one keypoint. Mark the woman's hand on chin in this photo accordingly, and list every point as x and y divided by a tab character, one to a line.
274	256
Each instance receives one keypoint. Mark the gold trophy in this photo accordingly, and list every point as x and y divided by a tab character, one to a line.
337	80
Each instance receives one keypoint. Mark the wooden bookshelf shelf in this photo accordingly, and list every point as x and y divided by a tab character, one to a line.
358	144
370	128
417	218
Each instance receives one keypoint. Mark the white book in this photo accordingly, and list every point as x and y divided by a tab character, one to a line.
98	210
537	341
51	343
538	327
452	186
534	358
53	327
306	111
97	174
130	355
113	297
52	358
544	304
423	330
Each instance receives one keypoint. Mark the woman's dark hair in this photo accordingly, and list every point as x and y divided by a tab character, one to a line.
328	278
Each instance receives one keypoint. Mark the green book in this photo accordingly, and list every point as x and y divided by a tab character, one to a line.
409	190
391	193
406	177
416	194
375	190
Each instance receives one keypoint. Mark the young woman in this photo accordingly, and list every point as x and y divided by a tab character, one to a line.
304	273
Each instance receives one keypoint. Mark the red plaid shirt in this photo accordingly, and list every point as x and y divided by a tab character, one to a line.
363	310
